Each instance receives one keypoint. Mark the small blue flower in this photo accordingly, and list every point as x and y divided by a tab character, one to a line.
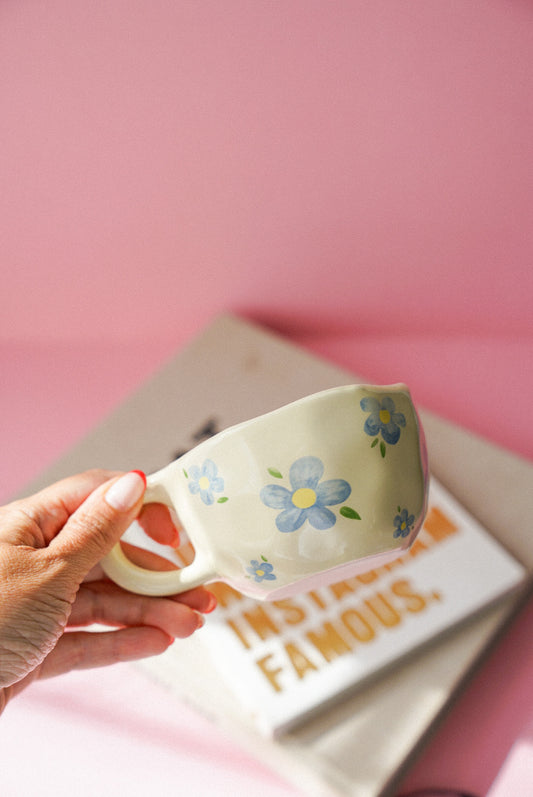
308	500
383	418
261	571
205	481
403	524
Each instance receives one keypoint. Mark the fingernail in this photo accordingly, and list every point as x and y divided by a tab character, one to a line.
124	493
201	621
212	605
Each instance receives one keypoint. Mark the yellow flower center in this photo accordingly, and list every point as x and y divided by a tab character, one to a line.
204	483
304	497
404	524
384	416
260	572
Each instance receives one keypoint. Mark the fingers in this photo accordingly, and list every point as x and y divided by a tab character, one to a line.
104	602
99	522
83	649
199	599
161	620
157	522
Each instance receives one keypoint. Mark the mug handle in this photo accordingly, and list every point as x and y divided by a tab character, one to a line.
133	578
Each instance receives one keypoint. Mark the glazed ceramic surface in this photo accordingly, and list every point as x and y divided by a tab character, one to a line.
317	491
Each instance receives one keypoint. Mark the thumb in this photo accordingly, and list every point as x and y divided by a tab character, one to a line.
100	521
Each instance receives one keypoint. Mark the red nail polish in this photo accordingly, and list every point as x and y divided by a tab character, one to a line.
142	475
126	491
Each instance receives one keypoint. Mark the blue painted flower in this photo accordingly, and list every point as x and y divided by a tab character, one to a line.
308	500
383	418
261	571
205	481
403	524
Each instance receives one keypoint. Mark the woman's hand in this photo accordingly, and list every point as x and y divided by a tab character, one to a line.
50	582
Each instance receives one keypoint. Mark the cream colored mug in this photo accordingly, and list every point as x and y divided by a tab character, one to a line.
315	492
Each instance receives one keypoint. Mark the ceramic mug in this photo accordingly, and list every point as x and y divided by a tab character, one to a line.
315	492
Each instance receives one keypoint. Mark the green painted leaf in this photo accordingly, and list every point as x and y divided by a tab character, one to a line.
399	509
222	500
275	473
374	444
383	449
348	512
185	473
264	558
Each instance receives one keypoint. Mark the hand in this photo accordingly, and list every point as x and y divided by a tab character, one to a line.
50	582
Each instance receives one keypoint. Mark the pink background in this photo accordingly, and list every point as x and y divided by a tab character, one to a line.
358	176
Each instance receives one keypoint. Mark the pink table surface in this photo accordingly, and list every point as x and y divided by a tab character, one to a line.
96	726
357	175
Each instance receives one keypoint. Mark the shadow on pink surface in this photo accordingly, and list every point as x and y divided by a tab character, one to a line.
485	721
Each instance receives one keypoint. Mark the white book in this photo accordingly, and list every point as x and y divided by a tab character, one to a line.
284	659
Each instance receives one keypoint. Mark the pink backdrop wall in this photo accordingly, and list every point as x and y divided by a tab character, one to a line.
346	165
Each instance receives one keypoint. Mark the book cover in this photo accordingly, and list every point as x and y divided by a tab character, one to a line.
285	659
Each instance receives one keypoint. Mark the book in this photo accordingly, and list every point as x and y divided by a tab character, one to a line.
360	745
286	659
